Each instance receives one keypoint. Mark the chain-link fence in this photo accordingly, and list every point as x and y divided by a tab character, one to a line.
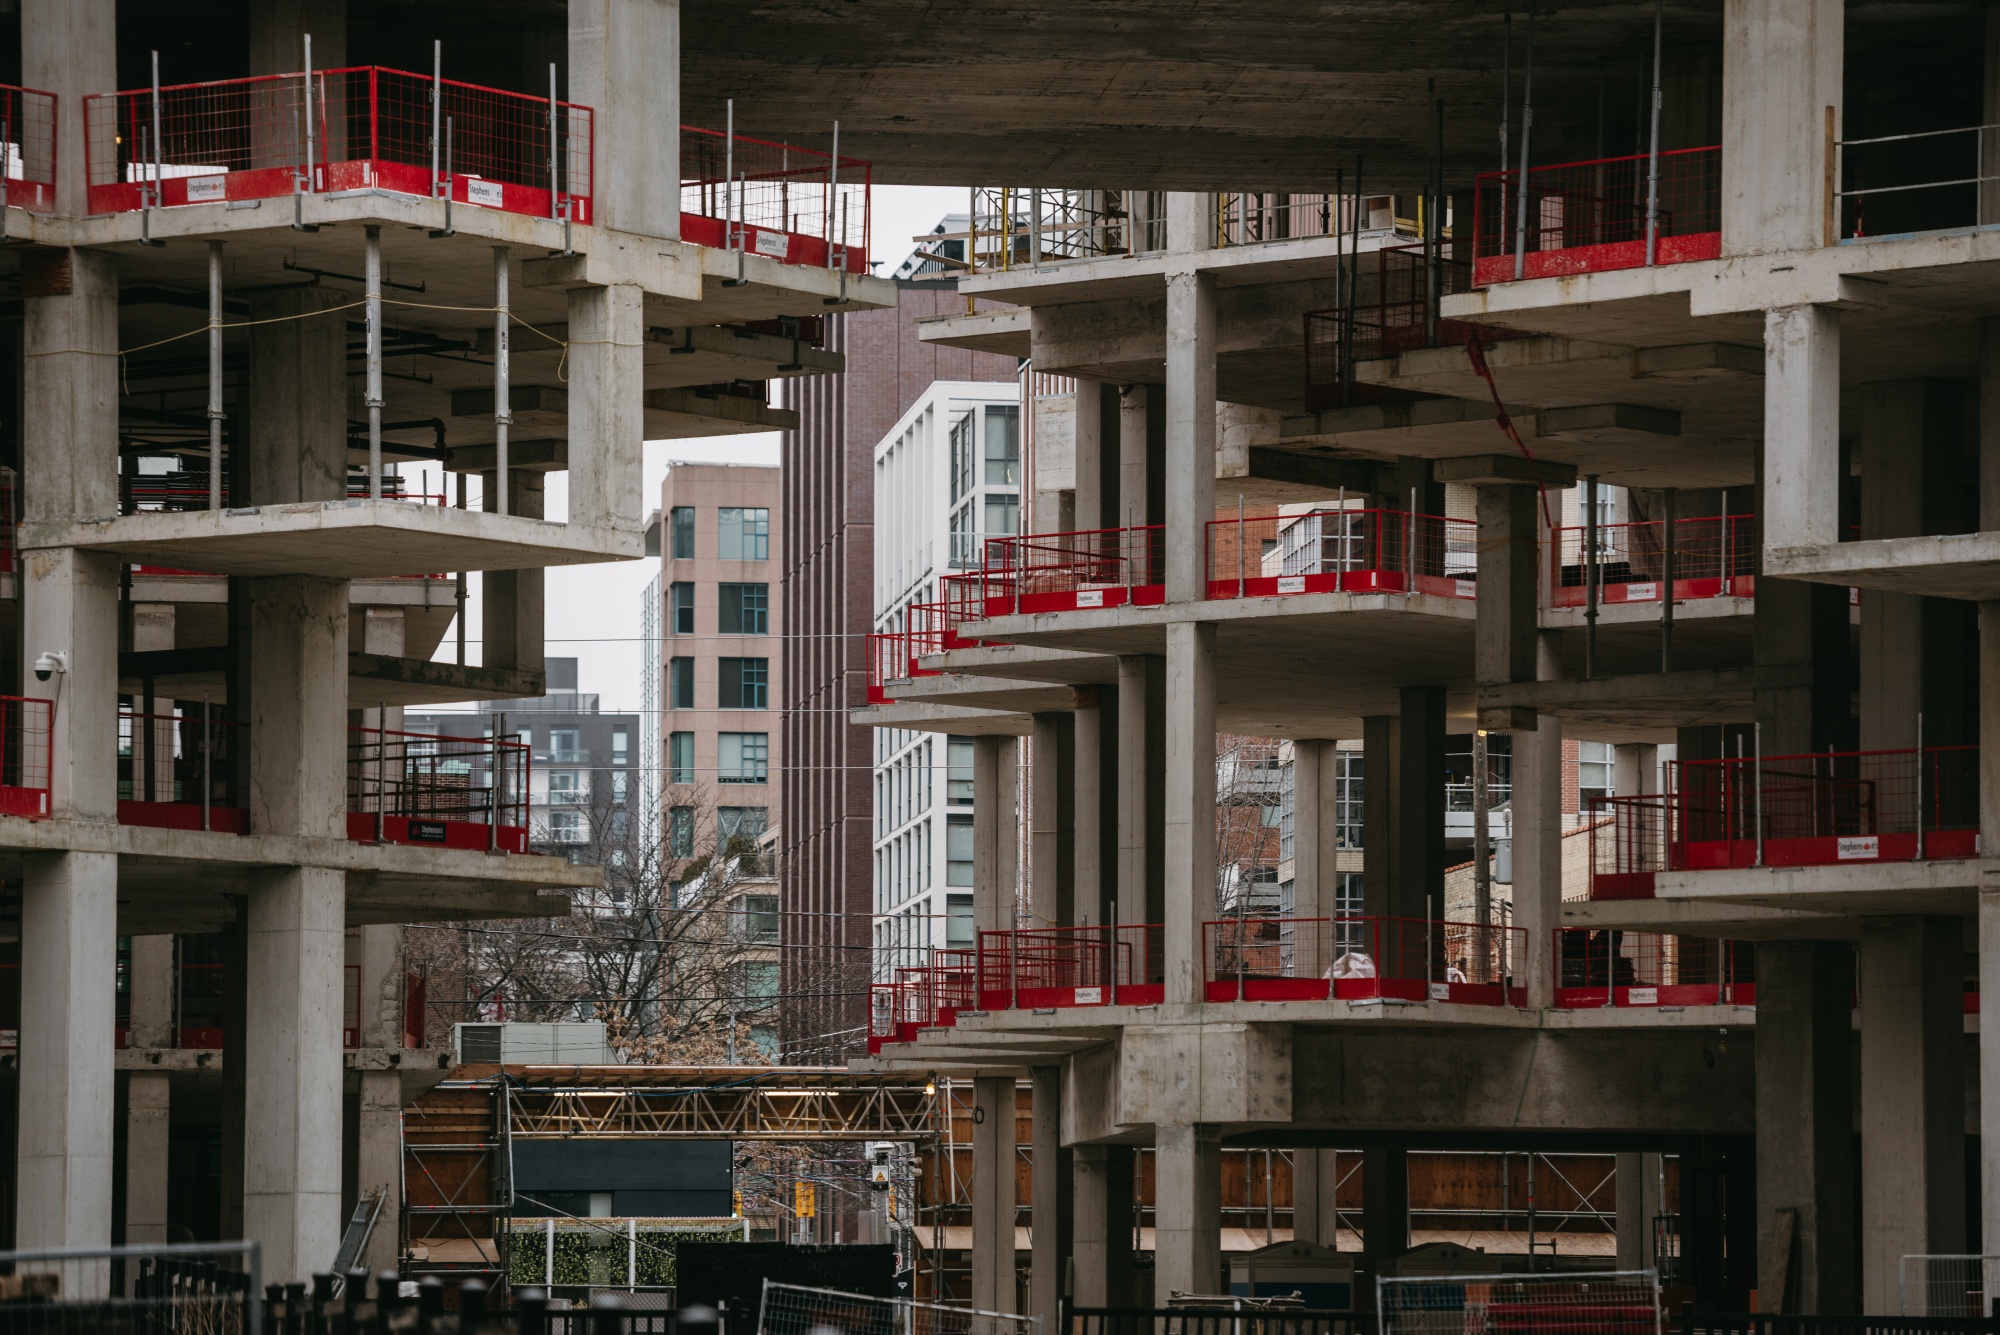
790	1309
1612	1303
209	1288
1947	1285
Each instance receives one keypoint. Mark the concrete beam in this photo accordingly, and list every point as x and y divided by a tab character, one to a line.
1498	470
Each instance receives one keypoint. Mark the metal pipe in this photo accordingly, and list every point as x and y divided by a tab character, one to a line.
458	581
1434	224
215	375
499	786
1482	874
437	110
1920	785
1757	781
832	194
503	406
1353	283
207	765
372	276
1527	134
311	184
152	194
1590	577
1667	576
1653	153
728	168
381	770
554	212
1242	539
144	717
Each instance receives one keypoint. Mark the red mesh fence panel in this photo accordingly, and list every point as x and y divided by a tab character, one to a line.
26	755
1050	572
1628	845
28	137
790	202
1584	217
1069	966
1713	557
1610	967
410	787
1331	550
1289	958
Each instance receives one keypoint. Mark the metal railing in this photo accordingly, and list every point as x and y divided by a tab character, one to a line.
1628	845
1615	968
452	792
1399	315
1060	572
1609	213
1012	227
1927	181
28	140
795	205
1947	1286
1832	807
1362	957
1712	557
188	1286
1035	967
1691	1322
1248	217
27	742
1242	1318
179	771
366	127
1342	550
922	996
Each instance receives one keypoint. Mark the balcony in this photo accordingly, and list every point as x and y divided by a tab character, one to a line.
442	792
1827	809
1713	557
362	128
929	628
794	205
183	770
1363	958
1590	217
1062	572
1612	968
921	997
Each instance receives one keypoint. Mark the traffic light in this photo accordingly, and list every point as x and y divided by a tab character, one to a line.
803	1202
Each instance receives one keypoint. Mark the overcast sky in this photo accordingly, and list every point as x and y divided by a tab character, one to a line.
593	611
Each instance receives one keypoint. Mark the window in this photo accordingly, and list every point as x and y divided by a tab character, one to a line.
1003	512
621	829
621	742
958	771
743	757
757	980
1595	766
565	827
681	520
958	931
680	757
680	832
743	683
961	456
680	609
565	787
1347	799
680	683
743	609
745	823
759	920
746	534
958	850
1003	446
618	777
565	745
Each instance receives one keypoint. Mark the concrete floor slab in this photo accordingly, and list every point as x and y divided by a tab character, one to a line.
956	720
1949	565
1859	889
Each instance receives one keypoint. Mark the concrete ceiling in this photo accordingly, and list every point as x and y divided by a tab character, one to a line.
1254	94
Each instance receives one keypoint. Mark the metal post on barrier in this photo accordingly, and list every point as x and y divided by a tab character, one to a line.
372	278
207	765
1590	577
1653	153
1527	134
1757	782
381	771
503	394
1667	543
447	229
312	182
437	110
554	209
833	194
498	785
153	197
1241	540
1920	786
214	372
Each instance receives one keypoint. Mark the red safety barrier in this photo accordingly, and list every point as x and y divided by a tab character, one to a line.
1363	957
144	493
1813	810
366	127
178	771
922	997
28	140
1585	217
1062	572
1607	967
1715	557
1336	550
1039	967
928	628
791	204
1628	845
27	743
440	792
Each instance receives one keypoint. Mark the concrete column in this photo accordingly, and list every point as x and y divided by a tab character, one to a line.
1315	1207
1314	880
295	401
1142	800
69	960
1088	443
1053	813
71	50
512	603
298	694
1139	407
994	1278
1912	1099
1051	1211
1538	778
148	1101
1381	811
1420	858
1103	1225
607	391
292	1069
1805	1127
1800	623
1801	476
1635	769
151	994
278	29
1989	838
1095	838
1187	1211
1385	1203
1190	822
1190	432
625	64
1639	1201
1190	221
1509	586
1782	67
995	829
379	1112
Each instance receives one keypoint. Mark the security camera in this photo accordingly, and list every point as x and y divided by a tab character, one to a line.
49	664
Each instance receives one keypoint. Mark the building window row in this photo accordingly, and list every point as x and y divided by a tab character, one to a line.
740	609
740	683
743	533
